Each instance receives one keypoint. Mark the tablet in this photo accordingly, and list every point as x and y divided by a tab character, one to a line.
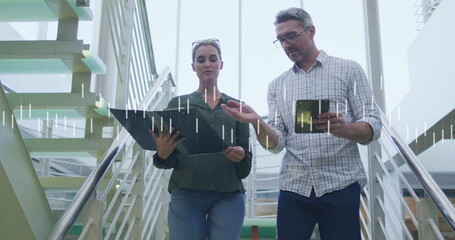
306	111
200	136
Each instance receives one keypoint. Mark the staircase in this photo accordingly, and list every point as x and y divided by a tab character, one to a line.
68	171
37	60
66	126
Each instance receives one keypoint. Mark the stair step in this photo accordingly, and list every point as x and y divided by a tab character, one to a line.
40	49
62	183
51	100
96	147
74	113
47	56
68	184
50	105
42	10
77	227
65	155
266	228
60	114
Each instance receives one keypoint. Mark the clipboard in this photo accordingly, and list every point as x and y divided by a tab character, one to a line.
201	137
305	111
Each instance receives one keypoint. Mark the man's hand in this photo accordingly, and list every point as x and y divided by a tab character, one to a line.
240	112
166	142
235	154
333	123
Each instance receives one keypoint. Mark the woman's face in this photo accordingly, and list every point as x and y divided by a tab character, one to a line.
207	63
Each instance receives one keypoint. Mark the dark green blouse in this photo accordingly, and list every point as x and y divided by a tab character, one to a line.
210	171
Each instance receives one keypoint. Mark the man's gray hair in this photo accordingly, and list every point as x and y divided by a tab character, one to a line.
294	14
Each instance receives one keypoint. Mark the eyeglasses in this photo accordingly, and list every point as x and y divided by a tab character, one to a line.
289	38
206	41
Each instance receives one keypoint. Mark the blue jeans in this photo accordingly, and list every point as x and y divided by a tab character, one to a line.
202	214
336	213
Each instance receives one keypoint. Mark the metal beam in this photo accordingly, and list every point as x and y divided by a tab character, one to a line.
25	211
374	51
374	60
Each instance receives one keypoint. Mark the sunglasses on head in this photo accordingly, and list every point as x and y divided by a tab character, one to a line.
206	41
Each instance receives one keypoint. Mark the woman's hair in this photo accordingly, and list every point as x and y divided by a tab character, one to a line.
294	14
212	42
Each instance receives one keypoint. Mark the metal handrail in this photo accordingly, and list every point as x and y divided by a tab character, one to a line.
88	188
428	183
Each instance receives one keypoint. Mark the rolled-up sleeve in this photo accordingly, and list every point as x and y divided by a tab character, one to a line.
275	120
168	163
361	100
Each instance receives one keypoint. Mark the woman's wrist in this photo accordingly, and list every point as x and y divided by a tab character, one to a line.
160	156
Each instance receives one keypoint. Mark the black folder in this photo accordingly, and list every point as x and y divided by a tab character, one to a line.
305	111
200	136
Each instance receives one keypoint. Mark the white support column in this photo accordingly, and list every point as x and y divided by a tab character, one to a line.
122	41
250	182
177	45
374	51
45	163
254	181
104	46
374	58
240	50
249	197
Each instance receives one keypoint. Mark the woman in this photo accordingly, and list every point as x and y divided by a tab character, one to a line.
207	194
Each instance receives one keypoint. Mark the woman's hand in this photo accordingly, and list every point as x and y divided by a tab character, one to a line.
166	142
235	154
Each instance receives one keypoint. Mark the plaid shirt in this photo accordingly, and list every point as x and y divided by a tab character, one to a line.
320	160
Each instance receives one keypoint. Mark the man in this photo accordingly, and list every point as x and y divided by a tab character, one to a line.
322	174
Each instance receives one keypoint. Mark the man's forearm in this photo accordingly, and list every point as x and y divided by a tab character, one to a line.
266	136
360	132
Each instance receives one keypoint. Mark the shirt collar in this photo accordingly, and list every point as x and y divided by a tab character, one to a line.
321	60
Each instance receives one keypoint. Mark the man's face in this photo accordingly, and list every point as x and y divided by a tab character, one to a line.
297	40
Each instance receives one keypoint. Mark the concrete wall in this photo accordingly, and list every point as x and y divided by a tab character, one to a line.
431	60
